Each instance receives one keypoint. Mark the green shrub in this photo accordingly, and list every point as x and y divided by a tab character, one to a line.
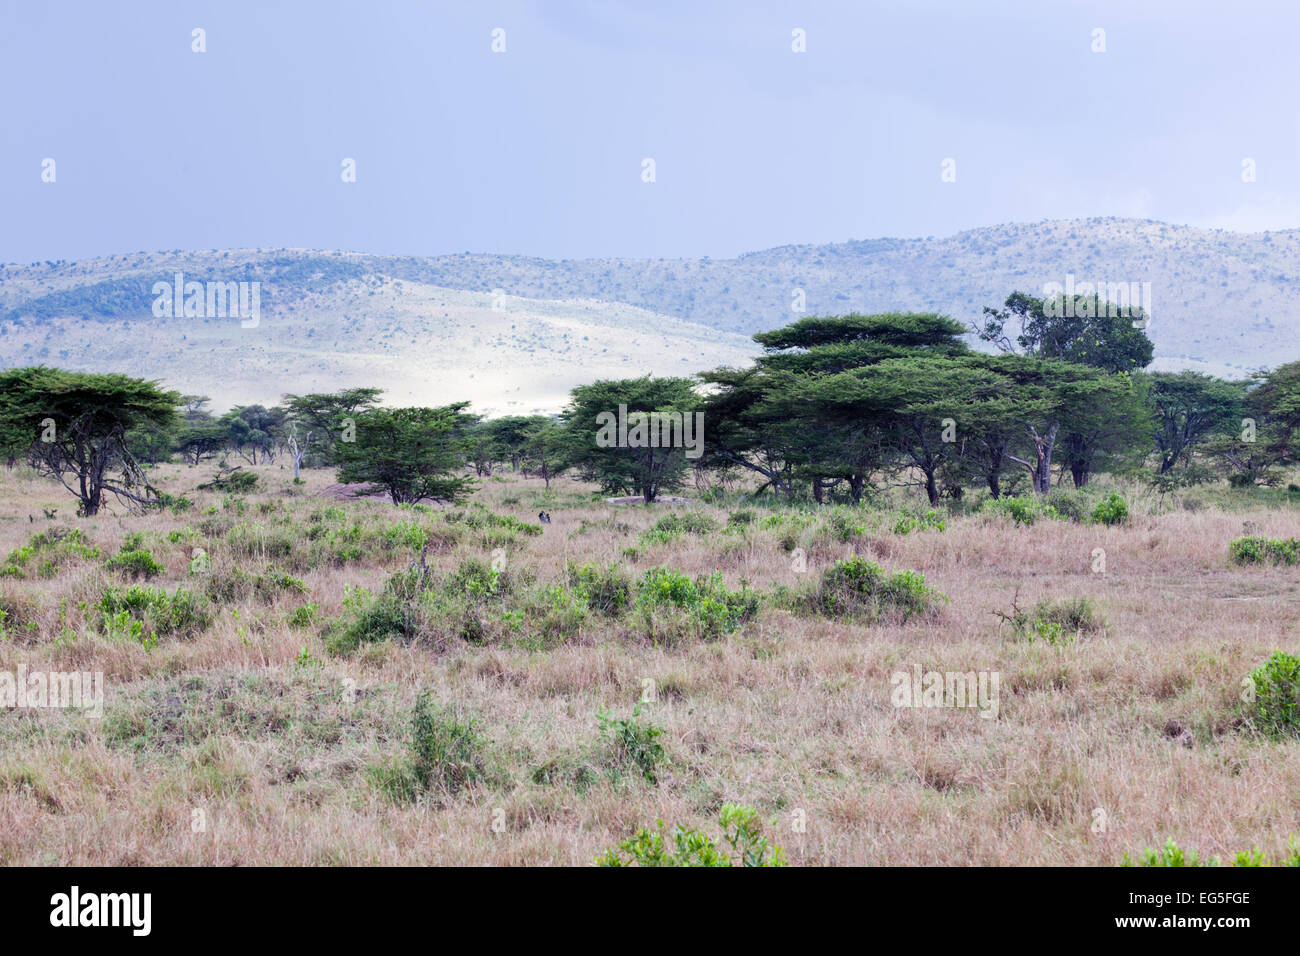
479	580
739	521
678	523
1169	855
1070	504
371	618
137	563
157	613
631	743
742	844
856	587
304	615
1275	709
1111	510
1172	855
447	750
559	616
1256	550
479	518
711	609
1022	509
927	521
229	584
406	535
57	546
1056	622
846	524
605	590
235	482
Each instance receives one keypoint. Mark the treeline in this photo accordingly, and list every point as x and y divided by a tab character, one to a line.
833	410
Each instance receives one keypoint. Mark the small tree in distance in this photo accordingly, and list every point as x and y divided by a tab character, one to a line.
73	427
409	454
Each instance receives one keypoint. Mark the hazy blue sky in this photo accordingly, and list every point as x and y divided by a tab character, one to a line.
539	150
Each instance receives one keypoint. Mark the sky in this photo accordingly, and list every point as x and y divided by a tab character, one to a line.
539	149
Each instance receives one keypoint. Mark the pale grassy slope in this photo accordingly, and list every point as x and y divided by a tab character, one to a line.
421	344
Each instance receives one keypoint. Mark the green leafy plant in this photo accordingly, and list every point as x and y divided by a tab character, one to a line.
1257	550
846	524
605	590
674	525
927	521
304	615
1022	509
630	742
447	750
1055	622
137	563
710	607
180	613
1172	855
57	547
1169	855
855	587
741	844
1275	709
1111	510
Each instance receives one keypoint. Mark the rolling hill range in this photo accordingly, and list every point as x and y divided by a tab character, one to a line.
321	331
514	333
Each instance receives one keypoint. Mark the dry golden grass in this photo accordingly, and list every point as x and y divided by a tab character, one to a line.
791	714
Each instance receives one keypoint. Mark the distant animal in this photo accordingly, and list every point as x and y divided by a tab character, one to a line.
543	517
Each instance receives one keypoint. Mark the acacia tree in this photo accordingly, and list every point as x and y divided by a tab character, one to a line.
1270	430
409	454
327	414
255	429
200	434
629	466
1190	407
1080	331
545	450
73	426
774	420
1276	403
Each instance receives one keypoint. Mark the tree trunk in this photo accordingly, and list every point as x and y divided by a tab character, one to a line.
931	489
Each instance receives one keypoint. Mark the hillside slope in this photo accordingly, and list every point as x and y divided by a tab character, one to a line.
420	343
515	333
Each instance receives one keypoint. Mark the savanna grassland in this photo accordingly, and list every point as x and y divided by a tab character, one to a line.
345	682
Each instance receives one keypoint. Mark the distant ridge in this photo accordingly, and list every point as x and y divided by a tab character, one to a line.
1224	302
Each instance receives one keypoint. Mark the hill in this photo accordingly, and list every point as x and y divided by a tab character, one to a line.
515	333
